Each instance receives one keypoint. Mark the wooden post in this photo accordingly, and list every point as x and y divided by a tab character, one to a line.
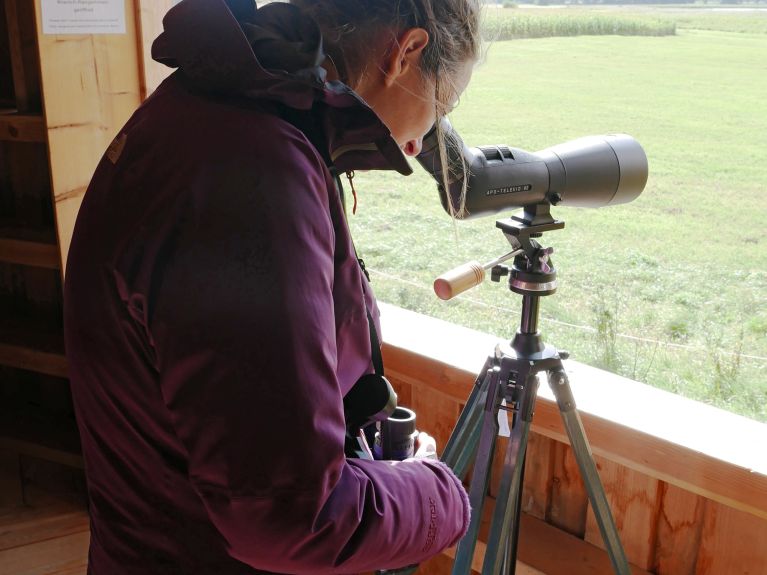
24	63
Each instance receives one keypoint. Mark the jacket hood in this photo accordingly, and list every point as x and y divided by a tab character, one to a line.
230	48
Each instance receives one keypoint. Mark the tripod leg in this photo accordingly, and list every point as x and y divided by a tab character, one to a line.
465	551
510	561
572	421
504	531
462	445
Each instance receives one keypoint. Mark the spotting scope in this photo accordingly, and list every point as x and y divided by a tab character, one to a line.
593	171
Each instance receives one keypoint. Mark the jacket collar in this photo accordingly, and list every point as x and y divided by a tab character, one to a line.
230	48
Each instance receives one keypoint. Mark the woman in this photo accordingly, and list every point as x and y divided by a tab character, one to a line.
216	313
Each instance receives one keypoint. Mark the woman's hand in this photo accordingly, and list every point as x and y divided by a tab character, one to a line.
425	447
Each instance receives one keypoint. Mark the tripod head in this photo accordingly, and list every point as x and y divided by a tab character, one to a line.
532	274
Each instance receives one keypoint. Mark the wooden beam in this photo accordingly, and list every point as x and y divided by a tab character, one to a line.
551	551
41	434
31	359
27	253
16	49
22	128
32	344
555	552
39	451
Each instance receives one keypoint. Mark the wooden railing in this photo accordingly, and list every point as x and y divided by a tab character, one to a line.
687	482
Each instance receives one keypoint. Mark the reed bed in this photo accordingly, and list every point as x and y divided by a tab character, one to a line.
502	25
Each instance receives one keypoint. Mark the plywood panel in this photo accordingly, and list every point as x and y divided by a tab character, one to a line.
404	392
90	88
567	509
634	501
680	523
536	494
537	472
733	542
436	413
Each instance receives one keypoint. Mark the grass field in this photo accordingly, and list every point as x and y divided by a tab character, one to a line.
670	289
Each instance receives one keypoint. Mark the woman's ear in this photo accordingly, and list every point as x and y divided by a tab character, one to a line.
405	54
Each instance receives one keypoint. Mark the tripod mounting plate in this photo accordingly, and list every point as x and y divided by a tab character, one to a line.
518	228
536	216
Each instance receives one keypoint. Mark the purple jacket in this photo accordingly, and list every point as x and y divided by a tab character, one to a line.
215	316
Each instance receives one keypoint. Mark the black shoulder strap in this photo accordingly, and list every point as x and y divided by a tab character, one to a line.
375	345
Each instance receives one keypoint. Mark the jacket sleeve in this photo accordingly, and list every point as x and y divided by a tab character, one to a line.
244	332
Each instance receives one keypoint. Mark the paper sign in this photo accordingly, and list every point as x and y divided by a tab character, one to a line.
83	16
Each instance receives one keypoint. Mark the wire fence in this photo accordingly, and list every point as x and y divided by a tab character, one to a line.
583	328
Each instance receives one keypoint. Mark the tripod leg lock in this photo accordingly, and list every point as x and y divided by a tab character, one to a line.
560	386
526	406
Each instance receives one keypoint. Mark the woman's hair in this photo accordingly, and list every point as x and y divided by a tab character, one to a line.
353	29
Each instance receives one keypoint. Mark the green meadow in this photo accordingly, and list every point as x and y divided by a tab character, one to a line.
670	289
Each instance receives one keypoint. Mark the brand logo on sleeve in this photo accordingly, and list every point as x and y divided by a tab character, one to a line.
431	535
116	148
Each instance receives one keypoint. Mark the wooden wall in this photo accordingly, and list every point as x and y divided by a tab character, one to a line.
665	529
62	100
33	386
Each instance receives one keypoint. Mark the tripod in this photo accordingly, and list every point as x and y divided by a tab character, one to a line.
511	374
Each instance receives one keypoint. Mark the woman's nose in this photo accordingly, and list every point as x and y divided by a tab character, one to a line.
413	147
